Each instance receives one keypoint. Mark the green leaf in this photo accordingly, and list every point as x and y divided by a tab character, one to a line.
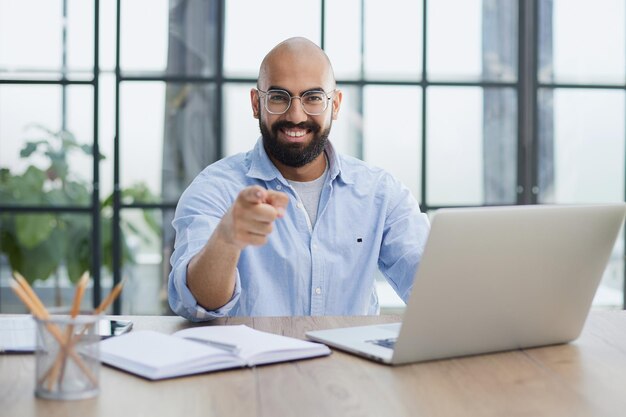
56	197
58	165
77	193
78	255
107	243
88	150
43	260
5	175
68	139
152	222
33	179
28	149
107	202
33	229
9	245
36	263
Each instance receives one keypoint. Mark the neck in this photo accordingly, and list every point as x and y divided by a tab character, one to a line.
309	172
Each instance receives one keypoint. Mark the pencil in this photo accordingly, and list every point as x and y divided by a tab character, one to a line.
30	293
25	293
61	359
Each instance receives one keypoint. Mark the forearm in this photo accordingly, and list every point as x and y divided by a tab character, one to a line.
211	273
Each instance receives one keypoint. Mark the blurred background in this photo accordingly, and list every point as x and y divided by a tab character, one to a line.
109	108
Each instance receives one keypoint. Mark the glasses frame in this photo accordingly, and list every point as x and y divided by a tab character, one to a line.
329	96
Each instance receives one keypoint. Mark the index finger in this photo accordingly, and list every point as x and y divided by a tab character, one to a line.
253	194
278	200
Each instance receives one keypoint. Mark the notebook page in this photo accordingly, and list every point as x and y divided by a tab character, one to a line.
255	346
156	355
17	334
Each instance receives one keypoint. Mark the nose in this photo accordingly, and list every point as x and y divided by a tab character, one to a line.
295	113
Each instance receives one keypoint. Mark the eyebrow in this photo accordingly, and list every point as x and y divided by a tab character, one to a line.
276	87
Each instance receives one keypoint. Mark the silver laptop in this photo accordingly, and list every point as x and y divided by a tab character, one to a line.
494	279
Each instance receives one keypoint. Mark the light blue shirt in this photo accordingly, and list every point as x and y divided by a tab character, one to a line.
366	220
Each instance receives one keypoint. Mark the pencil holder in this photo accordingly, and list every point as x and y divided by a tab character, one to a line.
67	357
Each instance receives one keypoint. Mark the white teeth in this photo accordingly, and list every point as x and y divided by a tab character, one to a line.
295	134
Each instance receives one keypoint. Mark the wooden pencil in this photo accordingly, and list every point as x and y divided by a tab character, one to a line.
25	293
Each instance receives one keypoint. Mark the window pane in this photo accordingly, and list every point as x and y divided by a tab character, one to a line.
106	131
47	249
269	22
483	44
587	146
241	130
141	142
343	37
79	122
193	38
581	138
80	36
392	131
39	51
462	169
145	262
347	130
46	166
21	107
108	22
39	35
145	49
393	39
165	160
593	55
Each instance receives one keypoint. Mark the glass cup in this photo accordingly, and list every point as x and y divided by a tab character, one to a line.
67	357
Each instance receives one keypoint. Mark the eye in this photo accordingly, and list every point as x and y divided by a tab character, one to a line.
314	97
276	97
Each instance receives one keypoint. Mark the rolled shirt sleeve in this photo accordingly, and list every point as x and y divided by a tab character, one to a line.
194	223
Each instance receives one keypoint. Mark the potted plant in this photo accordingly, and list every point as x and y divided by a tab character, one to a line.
38	244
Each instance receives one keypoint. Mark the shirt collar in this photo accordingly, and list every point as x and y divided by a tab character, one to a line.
261	166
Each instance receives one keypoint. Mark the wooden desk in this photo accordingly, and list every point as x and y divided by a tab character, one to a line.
585	378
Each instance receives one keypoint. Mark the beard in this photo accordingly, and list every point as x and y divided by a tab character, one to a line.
294	155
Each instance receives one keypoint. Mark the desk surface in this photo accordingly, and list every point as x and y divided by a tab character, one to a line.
584	378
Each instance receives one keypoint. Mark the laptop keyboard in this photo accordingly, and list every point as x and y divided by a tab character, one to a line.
386	343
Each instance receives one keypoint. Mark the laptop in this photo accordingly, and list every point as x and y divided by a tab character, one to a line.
495	279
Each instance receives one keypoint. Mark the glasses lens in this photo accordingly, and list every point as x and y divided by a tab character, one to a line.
277	101
314	102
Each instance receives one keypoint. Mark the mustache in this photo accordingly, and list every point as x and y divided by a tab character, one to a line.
283	124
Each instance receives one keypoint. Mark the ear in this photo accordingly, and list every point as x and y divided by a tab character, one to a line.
254	100
337	103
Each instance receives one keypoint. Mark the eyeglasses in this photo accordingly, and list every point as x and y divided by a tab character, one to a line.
313	102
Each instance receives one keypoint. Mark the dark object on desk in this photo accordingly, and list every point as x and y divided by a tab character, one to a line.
108	328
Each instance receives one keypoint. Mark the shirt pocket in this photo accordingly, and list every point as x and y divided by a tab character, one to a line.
354	249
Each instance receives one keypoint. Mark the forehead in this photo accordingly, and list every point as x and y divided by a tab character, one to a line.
296	71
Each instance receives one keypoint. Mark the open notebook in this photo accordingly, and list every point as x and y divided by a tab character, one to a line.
155	355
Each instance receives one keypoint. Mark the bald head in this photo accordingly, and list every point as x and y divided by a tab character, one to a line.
296	56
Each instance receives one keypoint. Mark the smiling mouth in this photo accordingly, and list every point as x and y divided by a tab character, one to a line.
295	133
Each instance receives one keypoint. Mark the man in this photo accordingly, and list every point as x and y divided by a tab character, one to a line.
291	227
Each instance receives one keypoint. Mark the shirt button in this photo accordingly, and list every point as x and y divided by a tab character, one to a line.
318	291
299	205
314	246
279	187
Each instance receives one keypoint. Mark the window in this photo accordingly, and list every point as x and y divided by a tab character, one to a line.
468	102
